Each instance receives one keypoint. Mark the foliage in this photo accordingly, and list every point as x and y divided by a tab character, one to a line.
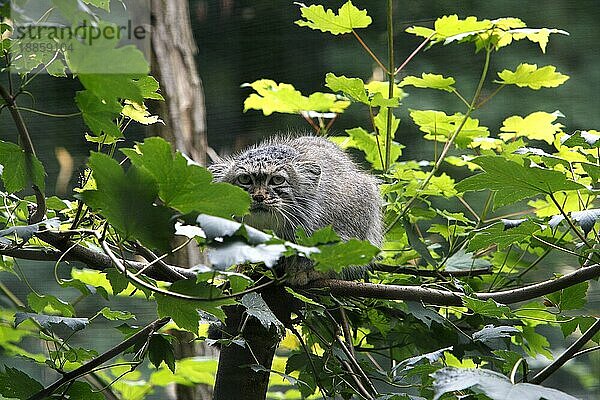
444	237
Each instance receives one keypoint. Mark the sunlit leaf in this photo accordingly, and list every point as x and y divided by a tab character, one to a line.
347	18
441	127
185	186
430	81
537	126
272	97
529	75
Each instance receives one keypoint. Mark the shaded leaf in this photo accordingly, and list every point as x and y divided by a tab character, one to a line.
571	298
324	235
491	332
126	200
463	261
493	384
513	181
185	312
38	303
99	115
256	307
502	235
83	391
160	349
411	362
51	321
488	308
334	257
17	384
19	169
586	139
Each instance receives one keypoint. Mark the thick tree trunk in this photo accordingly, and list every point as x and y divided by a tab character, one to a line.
235	378
184	114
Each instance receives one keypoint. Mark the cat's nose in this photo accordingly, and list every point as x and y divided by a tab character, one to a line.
258	197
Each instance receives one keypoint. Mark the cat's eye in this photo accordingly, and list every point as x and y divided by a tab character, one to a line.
277	180
244	179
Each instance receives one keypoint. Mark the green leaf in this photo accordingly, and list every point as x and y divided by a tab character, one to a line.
334	257
529	75
373	146
586	139
346	20
184	186
354	88
99	115
17	384
19	169
586	219
149	88
115	315
126	200
513	182
429	81
83	391
537	126
572	298
450	28
39	304
501	236
324	235
493	384
488	308
110	72
535	343
256	307
463	261
441	127
185	312
160	349
272	97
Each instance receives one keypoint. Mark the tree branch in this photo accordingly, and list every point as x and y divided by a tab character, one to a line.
450	298
100	261
101	359
397	269
27	146
567	355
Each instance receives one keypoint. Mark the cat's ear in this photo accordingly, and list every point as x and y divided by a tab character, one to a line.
311	171
219	169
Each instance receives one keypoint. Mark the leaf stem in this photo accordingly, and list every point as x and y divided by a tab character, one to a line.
413	54
368	49
449	143
391	74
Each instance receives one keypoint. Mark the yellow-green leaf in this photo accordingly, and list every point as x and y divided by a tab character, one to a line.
273	97
529	75
539	36
537	126
441	127
431	81
450	28
139	113
347	18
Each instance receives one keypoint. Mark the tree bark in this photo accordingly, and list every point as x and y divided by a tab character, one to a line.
174	65
235	379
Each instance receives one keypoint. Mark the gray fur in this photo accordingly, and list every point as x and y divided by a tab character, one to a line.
322	187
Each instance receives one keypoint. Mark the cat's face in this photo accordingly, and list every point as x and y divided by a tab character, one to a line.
277	183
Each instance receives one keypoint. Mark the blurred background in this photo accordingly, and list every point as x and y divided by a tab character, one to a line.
241	41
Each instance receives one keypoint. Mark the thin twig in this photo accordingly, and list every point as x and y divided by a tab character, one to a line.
567	355
101	359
